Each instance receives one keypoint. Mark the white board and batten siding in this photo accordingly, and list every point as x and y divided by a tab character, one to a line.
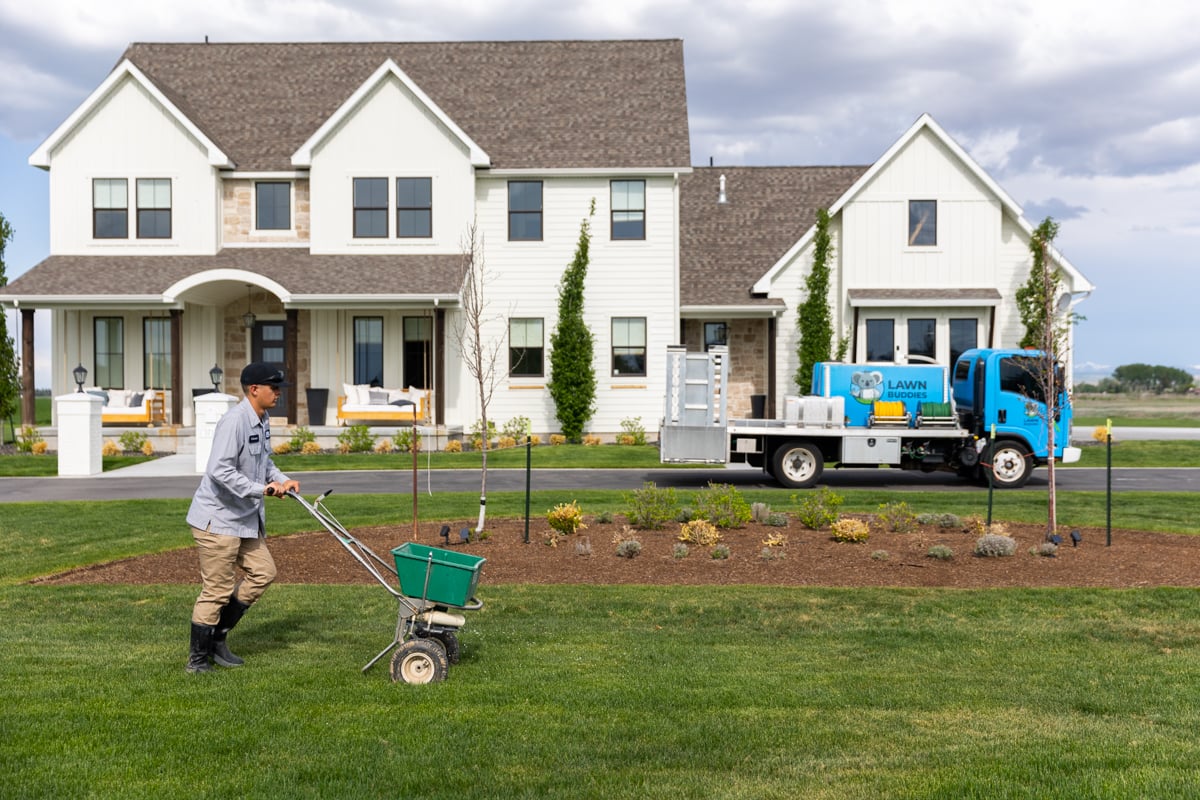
625	279
131	135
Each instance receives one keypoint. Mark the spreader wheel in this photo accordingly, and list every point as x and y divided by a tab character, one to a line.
420	661
449	642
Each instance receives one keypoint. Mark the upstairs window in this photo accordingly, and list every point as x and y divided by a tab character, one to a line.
524	211
154	208
273	206
110	209
370	208
629	345
922	223
414	208
628	209
526	346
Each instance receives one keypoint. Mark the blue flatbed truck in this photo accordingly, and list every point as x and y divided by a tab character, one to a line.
909	416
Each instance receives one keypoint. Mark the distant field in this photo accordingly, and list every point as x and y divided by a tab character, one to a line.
1172	411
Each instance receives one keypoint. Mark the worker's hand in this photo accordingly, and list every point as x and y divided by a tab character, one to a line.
291	486
275	489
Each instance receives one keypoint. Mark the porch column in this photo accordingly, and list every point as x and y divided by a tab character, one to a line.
177	366
771	356
291	336
439	361
28	404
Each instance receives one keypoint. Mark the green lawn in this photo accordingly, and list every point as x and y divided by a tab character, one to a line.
596	691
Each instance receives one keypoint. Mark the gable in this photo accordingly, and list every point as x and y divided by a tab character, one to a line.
546	104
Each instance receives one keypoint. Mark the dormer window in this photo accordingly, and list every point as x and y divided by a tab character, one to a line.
273	206
922	223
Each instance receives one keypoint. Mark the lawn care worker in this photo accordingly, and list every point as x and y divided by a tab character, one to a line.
228	521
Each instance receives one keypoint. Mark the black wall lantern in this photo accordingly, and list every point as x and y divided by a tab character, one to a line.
215	374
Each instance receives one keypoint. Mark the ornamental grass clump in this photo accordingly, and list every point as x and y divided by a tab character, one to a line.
851	530
940	520
898	517
995	545
720	552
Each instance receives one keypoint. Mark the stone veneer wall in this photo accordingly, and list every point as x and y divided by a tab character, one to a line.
237	214
236	340
747	359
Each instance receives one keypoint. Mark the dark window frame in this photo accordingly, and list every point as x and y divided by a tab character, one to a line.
878	323
931	331
273	206
417	350
414	211
974	324
922	230
365	355
614	211
373	210
711	341
102	212
629	351
107	357
150	219
522	213
163	338
521	357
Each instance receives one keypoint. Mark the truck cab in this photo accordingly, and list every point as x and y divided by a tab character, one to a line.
1003	391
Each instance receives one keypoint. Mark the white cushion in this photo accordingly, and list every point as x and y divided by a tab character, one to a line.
398	394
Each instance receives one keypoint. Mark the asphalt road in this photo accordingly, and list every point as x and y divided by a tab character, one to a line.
115	486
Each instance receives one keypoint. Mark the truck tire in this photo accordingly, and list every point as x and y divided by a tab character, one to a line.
1011	465
797	465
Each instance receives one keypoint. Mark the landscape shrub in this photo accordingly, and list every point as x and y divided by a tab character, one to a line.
720	552
110	448
591	440
850	530
940	520
680	550
898	517
27	438
699	531
566	518
300	437
132	441
407	438
634	431
650	508
818	509
941	552
454	446
556	439
629	548
517	429
995	545
310	448
723	505
477	440
356	439
879	555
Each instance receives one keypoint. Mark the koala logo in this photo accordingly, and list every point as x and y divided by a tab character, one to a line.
866	387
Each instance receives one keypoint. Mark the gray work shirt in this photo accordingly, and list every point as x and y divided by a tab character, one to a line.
230	497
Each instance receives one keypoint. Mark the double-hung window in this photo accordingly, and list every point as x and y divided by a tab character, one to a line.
629	346
110	209
526	347
370	208
628	209
154	208
108	342
524	211
414	208
156	358
368	350
922	223
273	206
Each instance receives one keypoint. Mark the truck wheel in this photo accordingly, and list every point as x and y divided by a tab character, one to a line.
1011	465
798	465
420	661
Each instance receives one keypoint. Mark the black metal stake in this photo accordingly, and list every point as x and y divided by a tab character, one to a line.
528	477
990	468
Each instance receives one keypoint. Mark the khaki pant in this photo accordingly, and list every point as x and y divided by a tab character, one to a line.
220	555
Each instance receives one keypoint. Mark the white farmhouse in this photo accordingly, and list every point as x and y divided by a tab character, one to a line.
309	205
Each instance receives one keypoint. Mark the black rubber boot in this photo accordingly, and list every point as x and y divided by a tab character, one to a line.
201	649
230	614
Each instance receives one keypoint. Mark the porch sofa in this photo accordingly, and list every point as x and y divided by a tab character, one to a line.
124	406
362	403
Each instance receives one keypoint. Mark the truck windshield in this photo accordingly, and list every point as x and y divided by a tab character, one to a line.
1023	375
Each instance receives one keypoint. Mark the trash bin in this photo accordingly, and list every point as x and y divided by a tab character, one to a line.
318	401
758	406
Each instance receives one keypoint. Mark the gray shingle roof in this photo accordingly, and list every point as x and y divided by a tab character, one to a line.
726	248
295	269
543	104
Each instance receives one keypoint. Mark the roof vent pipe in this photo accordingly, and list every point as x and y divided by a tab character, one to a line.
721	192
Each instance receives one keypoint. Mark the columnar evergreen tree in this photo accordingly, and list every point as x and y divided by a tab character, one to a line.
814	320
9	382
572	381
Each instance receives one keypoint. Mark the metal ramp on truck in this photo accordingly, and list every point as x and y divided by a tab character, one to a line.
694	420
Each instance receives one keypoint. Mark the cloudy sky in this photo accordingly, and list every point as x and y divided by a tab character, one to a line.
1089	112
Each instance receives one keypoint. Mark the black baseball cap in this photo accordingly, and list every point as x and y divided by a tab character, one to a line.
260	373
